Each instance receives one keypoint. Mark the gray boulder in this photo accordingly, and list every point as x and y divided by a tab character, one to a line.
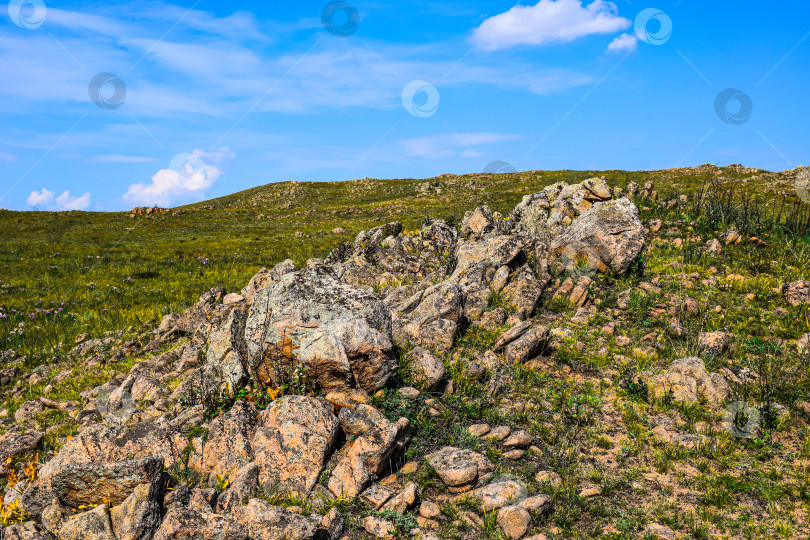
608	235
339	335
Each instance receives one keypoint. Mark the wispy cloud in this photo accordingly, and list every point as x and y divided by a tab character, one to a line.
548	21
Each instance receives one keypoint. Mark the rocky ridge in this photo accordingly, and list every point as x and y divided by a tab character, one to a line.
268	392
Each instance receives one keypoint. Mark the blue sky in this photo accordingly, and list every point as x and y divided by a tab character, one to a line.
104	106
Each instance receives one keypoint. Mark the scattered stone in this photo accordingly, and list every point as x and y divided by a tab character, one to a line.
460	469
478	430
515	521
427	369
797	293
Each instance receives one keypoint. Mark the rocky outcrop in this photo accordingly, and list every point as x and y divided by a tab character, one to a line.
687	381
339	336
607	235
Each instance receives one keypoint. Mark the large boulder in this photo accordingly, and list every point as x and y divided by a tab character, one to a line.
105	445
291	446
339	335
608	235
228	445
460	469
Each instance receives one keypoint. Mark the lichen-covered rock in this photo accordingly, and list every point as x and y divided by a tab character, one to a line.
92	525
478	221
263	520
227	351
713	343
526	346
340	336
185	524
228	445
196	318
687	380
427	369
84	484
369	455
14	445
608	235
101	444
138	517
797	293
460	469
291	446
524	290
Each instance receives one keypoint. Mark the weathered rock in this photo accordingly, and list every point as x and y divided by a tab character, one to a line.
229	443
477	222
101	444
498	494
293	442
377	495
227	352
515	521
84	484
28	411
196	318
427	369
340	335
401	502
13	445
524	291
242	487
138	517
608	235
687	380
378	527
368	456
92	525
797	293
185	524
264	520
713	343
460	469
526	346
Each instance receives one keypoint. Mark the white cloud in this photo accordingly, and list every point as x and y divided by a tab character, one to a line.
450	145
40	198
66	202
625	42
187	178
7	157
548	21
